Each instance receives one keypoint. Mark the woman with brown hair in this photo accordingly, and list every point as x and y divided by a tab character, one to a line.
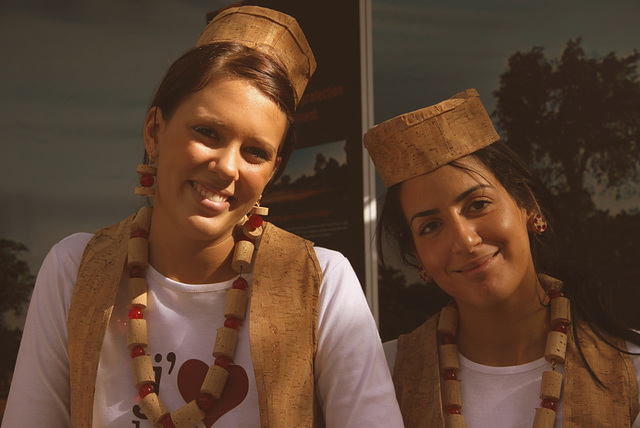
523	341
195	312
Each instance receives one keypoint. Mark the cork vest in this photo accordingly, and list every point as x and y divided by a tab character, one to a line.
417	381
283	343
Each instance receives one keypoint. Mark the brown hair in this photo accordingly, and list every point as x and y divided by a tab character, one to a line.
200	65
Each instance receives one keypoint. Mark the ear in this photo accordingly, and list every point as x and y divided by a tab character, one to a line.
276	165
151	130
529	216
417	257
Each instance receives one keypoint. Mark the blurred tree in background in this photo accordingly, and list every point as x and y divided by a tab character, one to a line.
16	284
575	120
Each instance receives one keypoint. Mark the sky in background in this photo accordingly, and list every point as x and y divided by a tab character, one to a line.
76	78
303	160
425	51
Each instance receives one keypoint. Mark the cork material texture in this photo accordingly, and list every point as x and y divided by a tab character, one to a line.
585	403
416	377
283	326
421	141
91	307
271	32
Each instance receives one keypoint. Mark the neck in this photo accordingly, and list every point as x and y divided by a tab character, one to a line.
190	261
504	336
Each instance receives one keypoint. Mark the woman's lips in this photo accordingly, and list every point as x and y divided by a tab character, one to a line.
477	264
209	194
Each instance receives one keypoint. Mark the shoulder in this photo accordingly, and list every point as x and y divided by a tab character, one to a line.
413	347
63	260
634	349
329	259
337	272
74	242
410	340
57	275
275	236
73	246
69	250
420	333
340	289
390	348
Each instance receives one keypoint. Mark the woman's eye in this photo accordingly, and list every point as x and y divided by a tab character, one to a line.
428	228
257	153
206	131
478	205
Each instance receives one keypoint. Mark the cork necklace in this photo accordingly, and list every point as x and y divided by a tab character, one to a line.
551	380
248	230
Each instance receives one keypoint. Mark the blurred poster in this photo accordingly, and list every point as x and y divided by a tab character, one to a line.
320	194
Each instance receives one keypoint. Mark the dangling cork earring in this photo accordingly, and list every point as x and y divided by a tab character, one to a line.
538	224
147	173
257	209
252	224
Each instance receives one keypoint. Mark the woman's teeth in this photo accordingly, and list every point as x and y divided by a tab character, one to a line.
213	197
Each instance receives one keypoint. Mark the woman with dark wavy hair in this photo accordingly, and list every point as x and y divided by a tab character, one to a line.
523	342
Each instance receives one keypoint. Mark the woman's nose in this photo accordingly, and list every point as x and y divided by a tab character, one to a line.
225	162
465	236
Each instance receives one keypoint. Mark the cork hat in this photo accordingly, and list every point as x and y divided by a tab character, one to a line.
268	31
418	142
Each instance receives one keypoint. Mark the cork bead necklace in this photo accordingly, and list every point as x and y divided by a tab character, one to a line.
248	230
551	380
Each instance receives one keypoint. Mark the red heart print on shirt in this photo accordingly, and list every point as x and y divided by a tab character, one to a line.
190	378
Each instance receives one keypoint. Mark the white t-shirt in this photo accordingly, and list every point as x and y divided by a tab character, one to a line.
353	384
504	397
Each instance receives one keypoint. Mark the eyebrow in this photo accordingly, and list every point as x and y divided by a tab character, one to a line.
213	121
458	199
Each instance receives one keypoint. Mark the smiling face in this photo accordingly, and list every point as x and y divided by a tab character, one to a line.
214	155
470	234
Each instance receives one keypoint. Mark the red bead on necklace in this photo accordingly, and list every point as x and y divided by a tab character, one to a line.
227	336
550	389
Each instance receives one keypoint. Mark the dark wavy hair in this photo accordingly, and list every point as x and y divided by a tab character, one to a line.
590	300
200	65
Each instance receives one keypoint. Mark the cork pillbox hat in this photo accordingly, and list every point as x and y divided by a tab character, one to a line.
268	31
421	141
